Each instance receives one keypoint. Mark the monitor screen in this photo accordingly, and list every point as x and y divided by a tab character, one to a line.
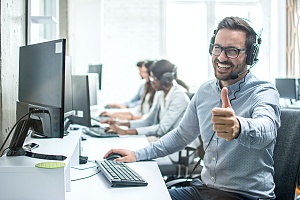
42	85
287	87
96	69
81	100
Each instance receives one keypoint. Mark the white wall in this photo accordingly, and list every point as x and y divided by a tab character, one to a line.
12	36
131	30
118	33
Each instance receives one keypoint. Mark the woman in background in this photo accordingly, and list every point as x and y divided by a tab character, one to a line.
146	102
170	103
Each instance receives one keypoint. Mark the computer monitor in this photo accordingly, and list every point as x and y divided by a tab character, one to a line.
287	88
81	100
43	104
45	84
68	107
93	88
96	69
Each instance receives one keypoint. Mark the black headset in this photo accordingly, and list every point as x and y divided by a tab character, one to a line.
252	53
167	78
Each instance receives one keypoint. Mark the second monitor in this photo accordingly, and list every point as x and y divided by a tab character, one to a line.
81	100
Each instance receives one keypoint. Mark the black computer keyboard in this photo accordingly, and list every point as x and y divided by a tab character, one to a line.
98	132
119	174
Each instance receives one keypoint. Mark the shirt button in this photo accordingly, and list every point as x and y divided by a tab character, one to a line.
213	158
215	138
212	179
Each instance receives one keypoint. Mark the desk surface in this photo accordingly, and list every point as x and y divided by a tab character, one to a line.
98	186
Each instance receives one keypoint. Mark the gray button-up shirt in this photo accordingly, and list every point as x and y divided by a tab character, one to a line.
243	165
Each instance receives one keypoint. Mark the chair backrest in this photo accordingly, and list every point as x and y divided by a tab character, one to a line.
287	154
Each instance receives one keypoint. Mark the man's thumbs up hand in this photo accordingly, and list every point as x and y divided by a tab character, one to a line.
225	123
225	99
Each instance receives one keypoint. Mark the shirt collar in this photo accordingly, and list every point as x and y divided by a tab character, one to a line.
169	93
236	86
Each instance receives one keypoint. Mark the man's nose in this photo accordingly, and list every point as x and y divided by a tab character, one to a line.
222	57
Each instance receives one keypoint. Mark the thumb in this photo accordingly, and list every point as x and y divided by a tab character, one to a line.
225	99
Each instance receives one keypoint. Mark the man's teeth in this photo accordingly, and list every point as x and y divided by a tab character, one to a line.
222	66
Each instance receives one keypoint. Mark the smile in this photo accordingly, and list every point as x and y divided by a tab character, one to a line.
223	66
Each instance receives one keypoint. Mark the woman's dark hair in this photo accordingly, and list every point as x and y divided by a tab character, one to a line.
236	23
148	64
140	63
163	66
148	88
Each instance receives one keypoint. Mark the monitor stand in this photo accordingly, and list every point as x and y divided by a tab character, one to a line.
37	135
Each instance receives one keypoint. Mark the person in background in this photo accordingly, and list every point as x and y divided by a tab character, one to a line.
136	100
147	100
237	116
170	103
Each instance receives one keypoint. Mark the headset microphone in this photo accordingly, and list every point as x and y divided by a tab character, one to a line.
235	75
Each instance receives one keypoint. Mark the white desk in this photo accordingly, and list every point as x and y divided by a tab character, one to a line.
20	179
98	187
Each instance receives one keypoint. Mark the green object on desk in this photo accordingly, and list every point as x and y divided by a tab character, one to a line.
50	165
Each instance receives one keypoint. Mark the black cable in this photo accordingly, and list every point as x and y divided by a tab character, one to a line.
29	113
47	112
3	151
84	168
198	163
78	179
8	135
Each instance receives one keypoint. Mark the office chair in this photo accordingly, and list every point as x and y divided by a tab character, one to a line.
286	157
182	167
190	95
186	159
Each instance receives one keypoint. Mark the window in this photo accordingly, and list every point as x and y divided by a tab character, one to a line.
189	28
42	20
186	35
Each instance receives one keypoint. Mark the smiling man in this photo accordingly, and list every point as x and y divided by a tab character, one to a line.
237	117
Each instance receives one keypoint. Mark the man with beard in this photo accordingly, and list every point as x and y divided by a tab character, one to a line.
237	117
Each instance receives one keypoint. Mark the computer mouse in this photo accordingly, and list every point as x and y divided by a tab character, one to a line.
96	125
113	156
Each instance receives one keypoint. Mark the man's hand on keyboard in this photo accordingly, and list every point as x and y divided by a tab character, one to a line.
127	155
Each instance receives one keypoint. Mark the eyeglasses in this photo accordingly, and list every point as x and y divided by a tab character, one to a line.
230	52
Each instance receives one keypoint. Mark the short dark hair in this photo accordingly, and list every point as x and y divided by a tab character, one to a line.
237	23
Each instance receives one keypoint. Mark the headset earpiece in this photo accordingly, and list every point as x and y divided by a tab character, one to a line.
211	44
252	54
167	78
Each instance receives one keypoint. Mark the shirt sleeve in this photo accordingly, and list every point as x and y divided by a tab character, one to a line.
173	115
136	100
261	129
174	140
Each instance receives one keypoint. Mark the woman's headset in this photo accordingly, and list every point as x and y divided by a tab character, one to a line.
167	78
